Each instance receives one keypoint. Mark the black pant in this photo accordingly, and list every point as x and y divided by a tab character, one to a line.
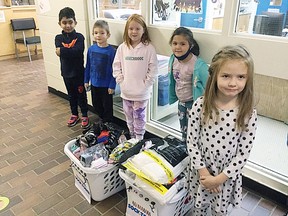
76	95
102	103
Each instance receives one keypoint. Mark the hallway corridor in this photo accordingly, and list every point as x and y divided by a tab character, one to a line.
34	171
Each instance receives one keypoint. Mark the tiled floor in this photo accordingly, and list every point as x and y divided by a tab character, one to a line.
34	171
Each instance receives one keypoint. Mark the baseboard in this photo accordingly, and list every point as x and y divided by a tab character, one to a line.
58	93
265	192
65	96
21	54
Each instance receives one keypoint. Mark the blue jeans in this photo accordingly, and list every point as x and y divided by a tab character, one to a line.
183	114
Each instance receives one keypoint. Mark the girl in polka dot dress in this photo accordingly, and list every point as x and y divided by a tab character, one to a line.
221	131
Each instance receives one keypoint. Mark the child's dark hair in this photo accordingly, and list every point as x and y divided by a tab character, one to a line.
67	12
101	24
187	33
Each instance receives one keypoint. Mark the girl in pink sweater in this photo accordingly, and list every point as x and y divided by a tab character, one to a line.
135	70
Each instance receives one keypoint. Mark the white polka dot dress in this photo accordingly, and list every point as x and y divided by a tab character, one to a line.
219	147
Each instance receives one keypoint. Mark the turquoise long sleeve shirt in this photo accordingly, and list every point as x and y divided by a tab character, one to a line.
199	79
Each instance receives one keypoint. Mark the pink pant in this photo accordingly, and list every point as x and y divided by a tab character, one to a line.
135	112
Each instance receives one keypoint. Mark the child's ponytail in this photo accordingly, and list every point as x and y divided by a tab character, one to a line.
195	49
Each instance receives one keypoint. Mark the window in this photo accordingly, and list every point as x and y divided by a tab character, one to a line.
203	14
22	2
9	3
117	9
161	111
267	18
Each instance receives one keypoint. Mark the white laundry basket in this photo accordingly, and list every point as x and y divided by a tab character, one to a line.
96	184
141	203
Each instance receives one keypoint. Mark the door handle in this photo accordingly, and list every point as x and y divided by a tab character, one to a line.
199	19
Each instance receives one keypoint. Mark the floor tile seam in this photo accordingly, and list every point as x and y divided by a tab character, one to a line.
34	137
95	207
271	202
33	186
62	202
45	200
4	144
45	212
2	156
273	210
16	171
117	207
29	164
10	176
81	213
67	184
256	205
43	160
65	212
30	207
27	149
2	166
45	140
39	152
20	130
18	155
60	164
9	184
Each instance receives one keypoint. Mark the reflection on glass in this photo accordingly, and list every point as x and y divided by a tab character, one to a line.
204	14
117	9
117	100
270	23
264	18
188	7
22	2
276	2
161	110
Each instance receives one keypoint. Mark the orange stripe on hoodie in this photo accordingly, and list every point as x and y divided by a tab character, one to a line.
70	44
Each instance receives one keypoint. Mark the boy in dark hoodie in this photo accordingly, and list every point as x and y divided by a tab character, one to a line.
70	47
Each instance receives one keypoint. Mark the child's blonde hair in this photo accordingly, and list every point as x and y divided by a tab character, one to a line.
245	98
145	39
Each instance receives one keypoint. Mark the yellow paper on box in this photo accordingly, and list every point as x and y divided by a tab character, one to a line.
158	187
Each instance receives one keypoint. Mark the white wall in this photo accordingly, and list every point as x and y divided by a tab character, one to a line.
48	24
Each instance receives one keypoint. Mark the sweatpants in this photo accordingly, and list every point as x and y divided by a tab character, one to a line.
135	113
